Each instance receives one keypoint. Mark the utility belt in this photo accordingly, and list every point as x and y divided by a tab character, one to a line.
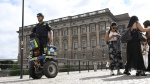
43	37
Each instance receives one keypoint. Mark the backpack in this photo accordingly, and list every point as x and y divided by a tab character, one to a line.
126	35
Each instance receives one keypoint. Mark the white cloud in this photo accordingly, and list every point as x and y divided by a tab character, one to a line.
10	15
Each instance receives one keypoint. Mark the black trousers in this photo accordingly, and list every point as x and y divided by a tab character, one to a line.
43	44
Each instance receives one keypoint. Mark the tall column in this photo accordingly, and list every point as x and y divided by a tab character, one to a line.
69	39
79	38
88	36
97	35
60	40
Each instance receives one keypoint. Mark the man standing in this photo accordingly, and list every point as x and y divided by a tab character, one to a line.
43	30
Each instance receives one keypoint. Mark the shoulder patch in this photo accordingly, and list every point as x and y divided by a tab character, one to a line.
44	24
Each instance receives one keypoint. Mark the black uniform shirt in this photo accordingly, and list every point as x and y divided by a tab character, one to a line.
42	29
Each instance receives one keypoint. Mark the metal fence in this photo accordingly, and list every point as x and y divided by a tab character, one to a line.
64	65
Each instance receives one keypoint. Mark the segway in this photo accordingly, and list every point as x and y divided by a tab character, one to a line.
45	64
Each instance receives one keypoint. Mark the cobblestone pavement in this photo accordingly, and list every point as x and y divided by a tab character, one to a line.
85	77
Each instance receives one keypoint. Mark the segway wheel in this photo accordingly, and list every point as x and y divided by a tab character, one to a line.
32	72
50	69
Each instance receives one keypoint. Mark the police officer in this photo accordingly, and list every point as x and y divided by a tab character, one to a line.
43	30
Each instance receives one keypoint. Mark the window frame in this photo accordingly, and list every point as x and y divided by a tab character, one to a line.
83	31
92	29
93	42
84	44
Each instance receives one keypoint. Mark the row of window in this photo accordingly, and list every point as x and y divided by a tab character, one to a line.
84	55
83	31
84	44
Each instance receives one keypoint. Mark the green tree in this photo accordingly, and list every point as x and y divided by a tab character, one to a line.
15	69
6	62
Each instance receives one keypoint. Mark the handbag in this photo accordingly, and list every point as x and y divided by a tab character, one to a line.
141	36
34	41
126	35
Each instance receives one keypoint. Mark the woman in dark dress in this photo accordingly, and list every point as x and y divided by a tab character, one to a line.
147	25
134	53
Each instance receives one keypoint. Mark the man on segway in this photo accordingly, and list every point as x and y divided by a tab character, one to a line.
42	60
42	29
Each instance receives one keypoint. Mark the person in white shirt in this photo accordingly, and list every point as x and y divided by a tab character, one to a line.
145	50
147	25
112	38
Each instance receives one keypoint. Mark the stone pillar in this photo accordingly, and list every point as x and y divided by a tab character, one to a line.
69	39
60	40
79	38
97	35
88	36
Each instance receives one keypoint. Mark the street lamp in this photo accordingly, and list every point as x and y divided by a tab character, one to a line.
21	65
103	55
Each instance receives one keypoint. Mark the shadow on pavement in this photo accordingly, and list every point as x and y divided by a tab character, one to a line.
20	80
125	77
96	77
120	78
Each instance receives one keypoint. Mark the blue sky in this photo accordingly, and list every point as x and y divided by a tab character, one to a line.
10	15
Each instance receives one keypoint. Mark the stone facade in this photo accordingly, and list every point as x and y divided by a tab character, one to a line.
81	36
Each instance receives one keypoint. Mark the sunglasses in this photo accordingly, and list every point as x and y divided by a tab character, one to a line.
114	28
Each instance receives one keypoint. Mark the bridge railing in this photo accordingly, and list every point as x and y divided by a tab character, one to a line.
64	64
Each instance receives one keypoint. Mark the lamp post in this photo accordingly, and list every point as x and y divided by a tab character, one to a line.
22	44
103	55
93	53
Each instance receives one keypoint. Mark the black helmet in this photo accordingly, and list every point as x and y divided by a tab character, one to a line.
40	14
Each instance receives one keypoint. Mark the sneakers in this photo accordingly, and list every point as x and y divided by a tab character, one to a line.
112	73
118	73
140	73
126	73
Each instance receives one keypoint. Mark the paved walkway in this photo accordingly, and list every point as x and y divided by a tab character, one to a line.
85	77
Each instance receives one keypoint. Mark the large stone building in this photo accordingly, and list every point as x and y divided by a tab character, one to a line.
81	36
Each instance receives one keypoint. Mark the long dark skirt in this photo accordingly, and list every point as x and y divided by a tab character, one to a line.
134	56
114	56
